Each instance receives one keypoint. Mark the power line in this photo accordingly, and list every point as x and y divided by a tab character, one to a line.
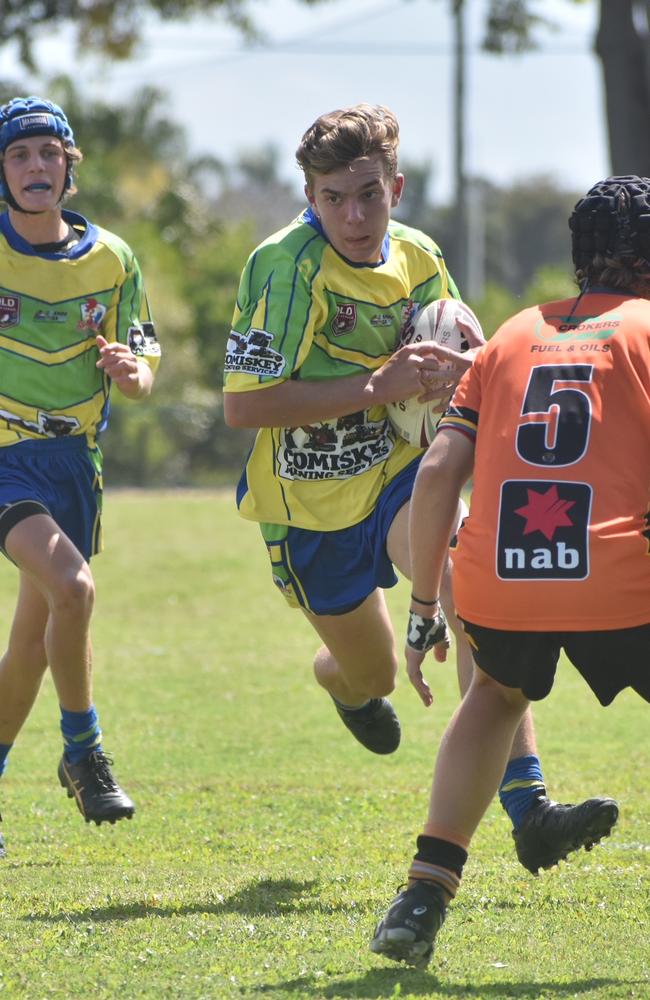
368	50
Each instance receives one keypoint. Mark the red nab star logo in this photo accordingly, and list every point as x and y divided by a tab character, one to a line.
545	512
530	507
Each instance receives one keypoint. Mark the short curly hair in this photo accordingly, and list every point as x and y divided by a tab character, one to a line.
633	275
339	137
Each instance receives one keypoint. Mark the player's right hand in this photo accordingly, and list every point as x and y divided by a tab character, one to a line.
413	370
423	634
414	660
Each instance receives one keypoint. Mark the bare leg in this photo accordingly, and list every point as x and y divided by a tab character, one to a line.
25	661
358	660
524	742
52	625
58	570
472	756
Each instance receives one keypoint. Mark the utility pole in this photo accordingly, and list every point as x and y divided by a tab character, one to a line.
460	179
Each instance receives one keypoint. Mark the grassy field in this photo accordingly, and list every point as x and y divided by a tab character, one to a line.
266	841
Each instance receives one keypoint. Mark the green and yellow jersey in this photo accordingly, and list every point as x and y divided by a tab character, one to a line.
304	312
52	306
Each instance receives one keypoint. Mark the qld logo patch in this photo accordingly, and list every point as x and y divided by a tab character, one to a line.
9	311
543	531
345	319
92	314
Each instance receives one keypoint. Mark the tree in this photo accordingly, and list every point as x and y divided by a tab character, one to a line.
110	26
520	228
622	43
623	47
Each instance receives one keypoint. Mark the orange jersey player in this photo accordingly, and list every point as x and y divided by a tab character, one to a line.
557	469
553	423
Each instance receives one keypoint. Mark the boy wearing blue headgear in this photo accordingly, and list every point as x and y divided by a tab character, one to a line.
74	320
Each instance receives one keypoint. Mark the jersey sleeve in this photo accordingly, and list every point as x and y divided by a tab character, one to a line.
132	319
462	414
273	322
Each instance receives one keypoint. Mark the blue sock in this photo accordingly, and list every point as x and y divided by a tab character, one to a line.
4	751
521	784
81	734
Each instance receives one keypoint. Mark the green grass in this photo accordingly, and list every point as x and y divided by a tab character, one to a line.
266	841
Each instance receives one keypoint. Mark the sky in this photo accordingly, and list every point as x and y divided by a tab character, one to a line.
541	113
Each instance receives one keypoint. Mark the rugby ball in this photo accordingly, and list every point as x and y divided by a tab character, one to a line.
439	321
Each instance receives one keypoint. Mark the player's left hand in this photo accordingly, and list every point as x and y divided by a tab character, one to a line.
422	635
119	363
117	360
453	365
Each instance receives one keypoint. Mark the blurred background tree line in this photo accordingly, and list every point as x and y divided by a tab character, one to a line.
192	223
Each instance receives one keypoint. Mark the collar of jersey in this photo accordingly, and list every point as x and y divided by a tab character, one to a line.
309	217
86	243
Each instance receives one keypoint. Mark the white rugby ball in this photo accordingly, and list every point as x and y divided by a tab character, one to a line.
439	321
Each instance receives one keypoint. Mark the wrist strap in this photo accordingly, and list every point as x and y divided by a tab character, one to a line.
428	603
423	633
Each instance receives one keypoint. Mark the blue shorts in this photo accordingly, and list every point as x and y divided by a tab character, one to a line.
332	572
60	477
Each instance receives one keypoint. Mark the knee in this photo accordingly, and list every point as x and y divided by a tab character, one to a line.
380	682
376	680
74	593
379	687
512	699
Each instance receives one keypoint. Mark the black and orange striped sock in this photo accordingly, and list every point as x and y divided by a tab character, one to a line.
439	862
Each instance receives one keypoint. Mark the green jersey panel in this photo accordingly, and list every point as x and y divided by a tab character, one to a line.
304	312
52	306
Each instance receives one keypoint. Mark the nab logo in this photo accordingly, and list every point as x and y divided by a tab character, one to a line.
543	531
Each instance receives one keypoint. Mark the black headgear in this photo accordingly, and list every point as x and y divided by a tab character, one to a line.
613	220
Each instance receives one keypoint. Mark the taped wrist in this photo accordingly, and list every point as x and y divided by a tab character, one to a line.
423	633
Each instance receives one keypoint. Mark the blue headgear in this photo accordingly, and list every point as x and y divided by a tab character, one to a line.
24	117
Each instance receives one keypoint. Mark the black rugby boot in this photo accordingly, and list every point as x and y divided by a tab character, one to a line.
92	785
408	930
550	831
375	725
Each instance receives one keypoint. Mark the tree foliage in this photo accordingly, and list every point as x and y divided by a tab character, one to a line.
622	44
510	26
112	27
524	227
